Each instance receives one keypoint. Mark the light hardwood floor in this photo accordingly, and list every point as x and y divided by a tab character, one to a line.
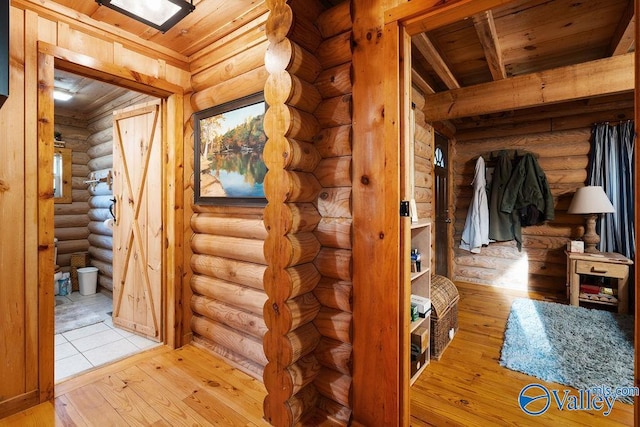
161	387
468	387
188	386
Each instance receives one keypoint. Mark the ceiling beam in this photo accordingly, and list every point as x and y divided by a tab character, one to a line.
623	38
602	77
426	15
432	56
486	29
418	81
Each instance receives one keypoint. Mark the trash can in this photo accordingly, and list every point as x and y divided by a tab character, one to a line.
88	280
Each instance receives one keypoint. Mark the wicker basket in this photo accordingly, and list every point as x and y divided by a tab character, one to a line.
78	260
444	314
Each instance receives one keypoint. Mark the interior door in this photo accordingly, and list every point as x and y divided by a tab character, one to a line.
443	220
138	230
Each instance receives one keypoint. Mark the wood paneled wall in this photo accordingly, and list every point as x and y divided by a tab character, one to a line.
18	202
560	136
26	242
71	219
226	251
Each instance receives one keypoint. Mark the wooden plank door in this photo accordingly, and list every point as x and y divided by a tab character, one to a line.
443	221
138	231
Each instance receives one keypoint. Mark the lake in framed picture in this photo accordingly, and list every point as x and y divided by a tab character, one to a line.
228	143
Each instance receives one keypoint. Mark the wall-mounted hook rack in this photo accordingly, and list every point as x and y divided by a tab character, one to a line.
93	181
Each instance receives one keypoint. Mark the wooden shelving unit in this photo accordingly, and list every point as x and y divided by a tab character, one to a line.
421	285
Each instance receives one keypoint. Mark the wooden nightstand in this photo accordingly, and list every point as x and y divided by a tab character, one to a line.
603	264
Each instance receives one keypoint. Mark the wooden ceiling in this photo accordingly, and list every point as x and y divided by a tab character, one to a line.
522	37
518	38
211	20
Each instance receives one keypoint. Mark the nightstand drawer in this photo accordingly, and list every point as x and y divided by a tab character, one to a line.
596	268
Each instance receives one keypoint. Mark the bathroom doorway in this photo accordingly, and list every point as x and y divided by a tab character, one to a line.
90	329
173	322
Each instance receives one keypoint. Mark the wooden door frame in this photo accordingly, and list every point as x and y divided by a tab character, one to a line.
402	22
49	58
413	17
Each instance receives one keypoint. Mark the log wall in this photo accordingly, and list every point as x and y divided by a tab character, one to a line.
562	143
334	291
226	251
423	164
71	219
309	278
100	153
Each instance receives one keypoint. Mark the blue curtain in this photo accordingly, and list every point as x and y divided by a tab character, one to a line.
611	166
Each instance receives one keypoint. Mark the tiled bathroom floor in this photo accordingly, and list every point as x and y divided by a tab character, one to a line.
81	349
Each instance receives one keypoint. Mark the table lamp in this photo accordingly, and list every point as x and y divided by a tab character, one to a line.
590	201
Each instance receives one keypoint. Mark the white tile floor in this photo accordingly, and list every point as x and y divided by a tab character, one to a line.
82	349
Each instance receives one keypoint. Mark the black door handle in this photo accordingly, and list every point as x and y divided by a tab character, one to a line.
112	208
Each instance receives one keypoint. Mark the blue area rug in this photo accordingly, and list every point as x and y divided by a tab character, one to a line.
574	346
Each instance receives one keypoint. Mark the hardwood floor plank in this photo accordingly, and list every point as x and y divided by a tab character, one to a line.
93	408
89	377
43	414
199	393
191	386
168	405
248	385
161	387
242	394
468	387
131	407
68	413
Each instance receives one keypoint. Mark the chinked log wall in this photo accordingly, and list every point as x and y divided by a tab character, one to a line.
71	219
423	164
226	250
308	218
100	151
562	143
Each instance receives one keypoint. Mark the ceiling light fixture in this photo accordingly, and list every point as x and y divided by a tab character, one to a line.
61	95
159	14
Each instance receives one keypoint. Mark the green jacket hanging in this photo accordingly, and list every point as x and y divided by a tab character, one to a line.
528	194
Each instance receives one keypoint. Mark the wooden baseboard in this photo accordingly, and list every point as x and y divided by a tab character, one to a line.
19	403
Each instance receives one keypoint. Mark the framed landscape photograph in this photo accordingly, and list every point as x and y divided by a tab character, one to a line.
228	143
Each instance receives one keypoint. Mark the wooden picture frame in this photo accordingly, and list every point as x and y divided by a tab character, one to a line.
228	144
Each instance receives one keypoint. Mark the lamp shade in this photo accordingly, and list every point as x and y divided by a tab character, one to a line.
590	200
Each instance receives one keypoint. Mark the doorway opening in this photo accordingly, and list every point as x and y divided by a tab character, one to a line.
86	261
442	223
